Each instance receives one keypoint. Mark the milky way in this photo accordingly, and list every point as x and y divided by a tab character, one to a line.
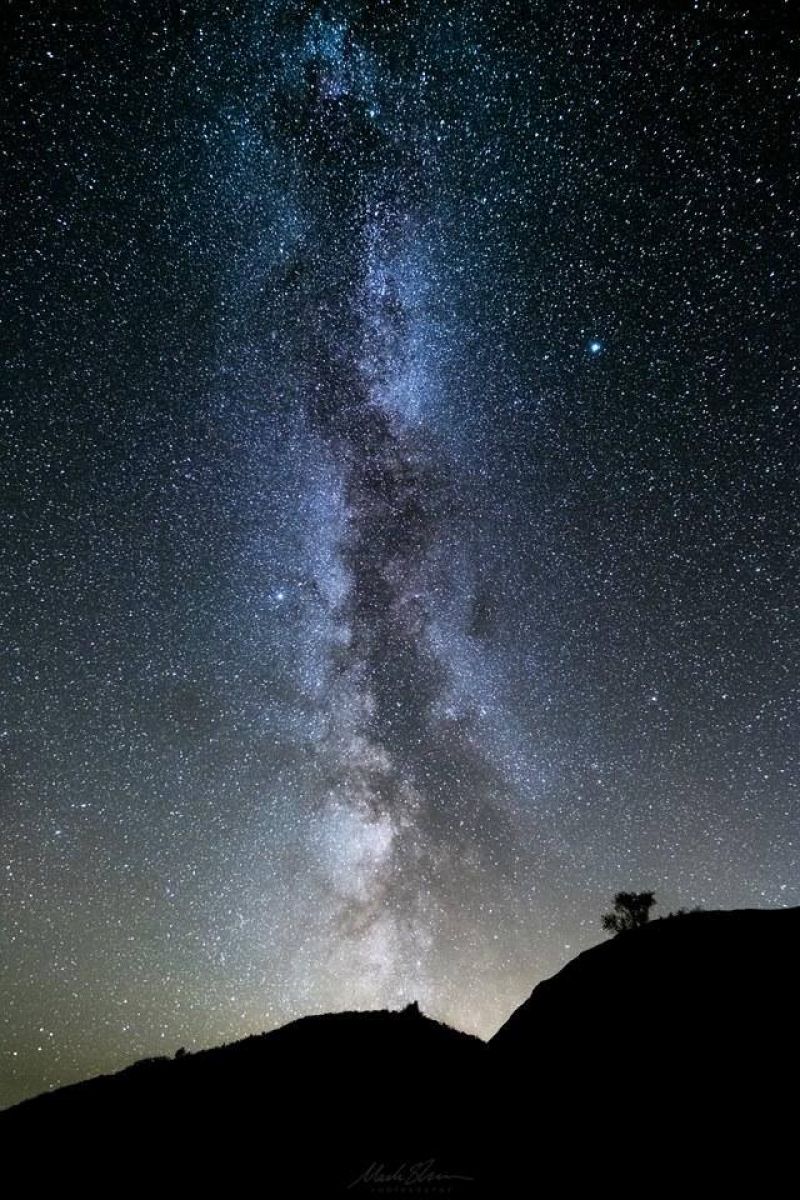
400	520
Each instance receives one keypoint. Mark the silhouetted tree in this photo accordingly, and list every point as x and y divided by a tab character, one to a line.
631	909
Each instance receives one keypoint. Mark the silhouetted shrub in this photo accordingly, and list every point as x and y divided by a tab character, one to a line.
631	909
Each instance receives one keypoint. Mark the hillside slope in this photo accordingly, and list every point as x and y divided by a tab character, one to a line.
310	1106
668	1052
658	1057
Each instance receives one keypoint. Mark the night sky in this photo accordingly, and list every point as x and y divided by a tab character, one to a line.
399	525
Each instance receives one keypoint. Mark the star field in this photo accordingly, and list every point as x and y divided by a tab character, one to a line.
400	435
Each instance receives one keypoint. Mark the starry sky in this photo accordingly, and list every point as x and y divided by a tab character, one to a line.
399	552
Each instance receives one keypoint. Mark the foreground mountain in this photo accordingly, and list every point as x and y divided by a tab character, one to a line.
706	977
669	1047
658	1056
306	1109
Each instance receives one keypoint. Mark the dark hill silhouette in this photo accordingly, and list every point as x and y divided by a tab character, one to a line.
304	1109
704	974
673	1040
657	1057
